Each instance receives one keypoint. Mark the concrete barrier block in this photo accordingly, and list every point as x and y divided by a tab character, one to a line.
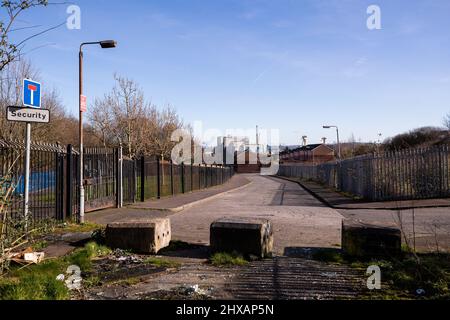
148	236
363	240
248	236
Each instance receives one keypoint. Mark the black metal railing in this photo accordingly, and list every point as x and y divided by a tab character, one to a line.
110	180
157	179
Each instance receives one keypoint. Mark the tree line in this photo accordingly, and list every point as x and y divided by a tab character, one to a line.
122	116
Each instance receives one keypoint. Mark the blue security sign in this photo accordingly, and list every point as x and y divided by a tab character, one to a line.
31	94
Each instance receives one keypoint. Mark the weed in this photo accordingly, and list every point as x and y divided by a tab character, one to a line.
403	276
72	227
38	282
227	259
163	263
328	255
129	281
40	245
92	281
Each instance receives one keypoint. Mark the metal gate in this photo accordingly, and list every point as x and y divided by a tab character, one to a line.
100	178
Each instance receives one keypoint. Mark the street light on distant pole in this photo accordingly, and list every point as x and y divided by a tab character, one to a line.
105	45
338	142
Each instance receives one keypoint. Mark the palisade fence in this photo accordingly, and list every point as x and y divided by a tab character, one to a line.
410	174
110	179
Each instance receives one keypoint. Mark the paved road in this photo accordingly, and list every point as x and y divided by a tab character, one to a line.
299	219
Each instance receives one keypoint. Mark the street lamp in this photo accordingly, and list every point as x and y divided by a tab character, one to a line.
106	44
338	142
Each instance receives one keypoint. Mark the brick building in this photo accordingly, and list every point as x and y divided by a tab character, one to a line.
313	153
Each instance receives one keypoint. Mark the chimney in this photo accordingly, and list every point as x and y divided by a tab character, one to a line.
305	140
324	140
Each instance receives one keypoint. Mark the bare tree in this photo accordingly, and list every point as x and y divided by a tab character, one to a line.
446	121
128	104
10	50
103	121
124	116
11	95
167	121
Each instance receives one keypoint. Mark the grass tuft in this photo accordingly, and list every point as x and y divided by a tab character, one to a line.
162	263
74	227
328	255
38	282
227	259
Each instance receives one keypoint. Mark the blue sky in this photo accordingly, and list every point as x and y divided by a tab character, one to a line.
291	65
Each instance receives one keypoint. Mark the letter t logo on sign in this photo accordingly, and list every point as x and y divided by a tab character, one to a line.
32	89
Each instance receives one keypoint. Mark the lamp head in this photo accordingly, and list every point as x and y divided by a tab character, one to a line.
106	44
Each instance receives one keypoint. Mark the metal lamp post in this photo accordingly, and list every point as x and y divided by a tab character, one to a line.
338	142
105	45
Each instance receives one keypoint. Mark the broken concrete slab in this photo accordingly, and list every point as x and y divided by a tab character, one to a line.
147	236
58	249
77	237
245	235
364	240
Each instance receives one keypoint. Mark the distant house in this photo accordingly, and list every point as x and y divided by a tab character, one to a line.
312	153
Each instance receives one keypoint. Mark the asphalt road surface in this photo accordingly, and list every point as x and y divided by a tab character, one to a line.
299	220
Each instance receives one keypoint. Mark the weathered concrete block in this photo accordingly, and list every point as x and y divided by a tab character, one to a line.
359	239
140	236
244	235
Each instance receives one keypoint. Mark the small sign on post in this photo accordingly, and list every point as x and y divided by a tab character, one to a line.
31	93
21	114
30	112
83	103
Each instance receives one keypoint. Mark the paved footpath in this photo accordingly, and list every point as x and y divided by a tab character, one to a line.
299	219
428	220
166	206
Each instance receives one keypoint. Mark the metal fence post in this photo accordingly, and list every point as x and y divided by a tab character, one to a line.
59	186
182	178
192	176
211	173
158	179
172	188
119	160
69	182
199	177
134	180
142	178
